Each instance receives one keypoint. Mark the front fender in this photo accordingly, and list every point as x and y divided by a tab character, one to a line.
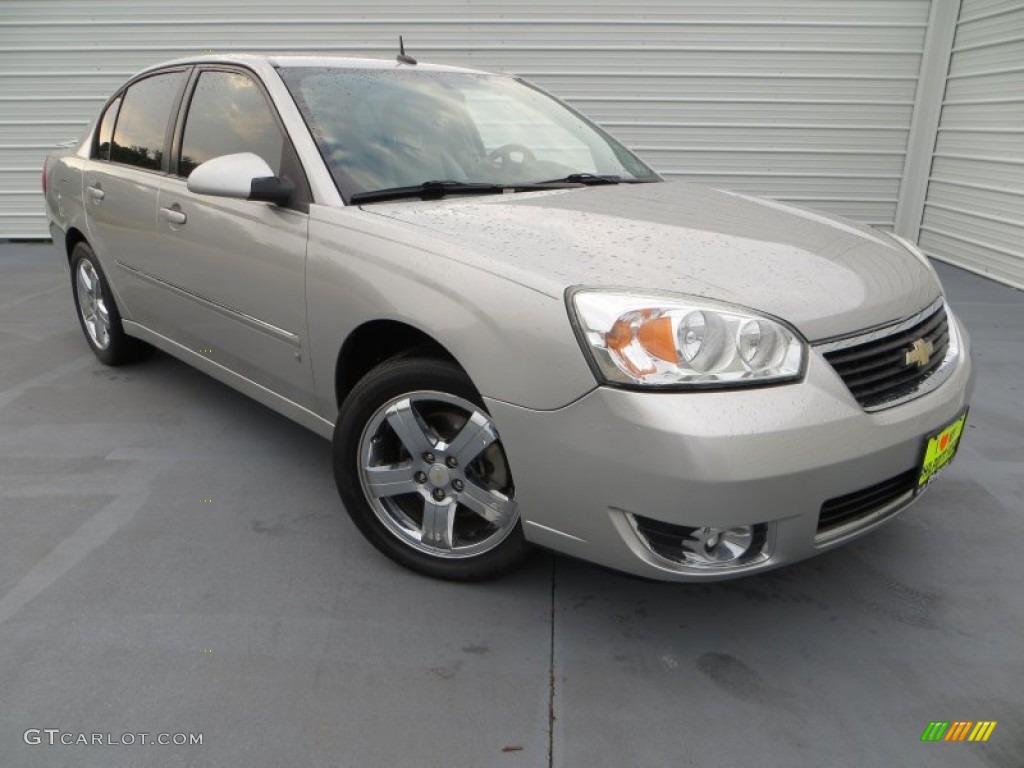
516	343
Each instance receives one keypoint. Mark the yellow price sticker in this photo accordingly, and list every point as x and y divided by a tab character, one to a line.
941	449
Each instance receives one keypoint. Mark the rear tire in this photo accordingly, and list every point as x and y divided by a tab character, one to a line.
98	313
421	470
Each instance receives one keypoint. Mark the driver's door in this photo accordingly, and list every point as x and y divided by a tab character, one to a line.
236	267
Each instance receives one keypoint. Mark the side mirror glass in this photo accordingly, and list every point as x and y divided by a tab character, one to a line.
243	176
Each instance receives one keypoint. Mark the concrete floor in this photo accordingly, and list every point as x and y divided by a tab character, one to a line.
174	558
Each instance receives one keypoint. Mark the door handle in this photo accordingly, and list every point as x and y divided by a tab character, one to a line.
173	216
96	193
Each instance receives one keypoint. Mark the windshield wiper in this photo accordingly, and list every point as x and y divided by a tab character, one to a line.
591	179
430	190
588	179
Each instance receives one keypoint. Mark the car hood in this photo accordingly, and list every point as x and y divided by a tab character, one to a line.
826	276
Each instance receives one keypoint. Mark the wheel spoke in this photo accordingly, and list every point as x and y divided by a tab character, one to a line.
101	313
407	424
475	435
84	289
492	506
391	479
438	523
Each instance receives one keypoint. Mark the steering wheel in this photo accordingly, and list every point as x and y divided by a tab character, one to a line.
502	156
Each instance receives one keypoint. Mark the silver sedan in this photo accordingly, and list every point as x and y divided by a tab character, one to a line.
513	331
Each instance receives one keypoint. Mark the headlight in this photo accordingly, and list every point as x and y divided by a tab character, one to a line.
680	342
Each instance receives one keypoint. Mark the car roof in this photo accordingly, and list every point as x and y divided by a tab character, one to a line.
258	61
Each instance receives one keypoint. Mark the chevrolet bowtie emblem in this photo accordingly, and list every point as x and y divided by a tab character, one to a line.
920	353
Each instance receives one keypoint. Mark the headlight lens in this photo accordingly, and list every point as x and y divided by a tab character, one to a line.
677	342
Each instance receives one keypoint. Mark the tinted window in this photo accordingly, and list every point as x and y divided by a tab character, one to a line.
107	130
228	114
142	121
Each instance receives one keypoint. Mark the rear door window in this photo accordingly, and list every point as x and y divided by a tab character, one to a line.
141	129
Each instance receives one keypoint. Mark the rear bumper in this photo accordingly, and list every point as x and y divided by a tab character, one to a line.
720	459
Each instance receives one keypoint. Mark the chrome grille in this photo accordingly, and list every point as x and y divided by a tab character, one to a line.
874	366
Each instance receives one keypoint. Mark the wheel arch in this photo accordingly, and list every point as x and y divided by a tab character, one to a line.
376	341
73	237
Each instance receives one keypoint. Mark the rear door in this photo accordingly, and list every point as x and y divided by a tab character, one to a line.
236	268
122	179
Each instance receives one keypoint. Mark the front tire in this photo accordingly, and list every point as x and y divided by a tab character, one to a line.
97	311
422	472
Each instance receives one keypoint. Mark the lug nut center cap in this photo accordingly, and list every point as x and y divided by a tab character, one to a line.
438	475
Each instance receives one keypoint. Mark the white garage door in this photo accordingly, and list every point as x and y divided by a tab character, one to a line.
974	209
803	100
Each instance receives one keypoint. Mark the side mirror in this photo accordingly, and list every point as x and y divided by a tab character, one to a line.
244	176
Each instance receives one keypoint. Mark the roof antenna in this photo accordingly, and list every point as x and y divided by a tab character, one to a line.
402	58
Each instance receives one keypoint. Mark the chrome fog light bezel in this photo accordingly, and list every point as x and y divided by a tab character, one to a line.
700	546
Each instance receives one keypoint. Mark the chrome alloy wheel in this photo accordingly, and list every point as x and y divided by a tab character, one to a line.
433	470
92	305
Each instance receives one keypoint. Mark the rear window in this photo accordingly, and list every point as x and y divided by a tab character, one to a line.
142	120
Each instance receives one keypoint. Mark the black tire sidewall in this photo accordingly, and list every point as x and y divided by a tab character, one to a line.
388	380
121	348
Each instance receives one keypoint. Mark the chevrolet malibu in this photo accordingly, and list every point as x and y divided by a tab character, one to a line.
513	331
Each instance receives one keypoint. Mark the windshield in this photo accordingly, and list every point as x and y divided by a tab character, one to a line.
386	129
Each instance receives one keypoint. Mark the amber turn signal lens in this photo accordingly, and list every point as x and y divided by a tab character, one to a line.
620	336
657	338
635	333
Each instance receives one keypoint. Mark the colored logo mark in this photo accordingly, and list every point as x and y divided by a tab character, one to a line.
958	730
920	353
941	449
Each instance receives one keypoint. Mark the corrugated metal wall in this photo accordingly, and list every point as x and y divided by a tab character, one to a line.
803	100
974	208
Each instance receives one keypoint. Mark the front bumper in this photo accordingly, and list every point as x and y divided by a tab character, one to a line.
719	459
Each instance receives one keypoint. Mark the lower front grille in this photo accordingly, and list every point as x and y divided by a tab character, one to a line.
843	510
